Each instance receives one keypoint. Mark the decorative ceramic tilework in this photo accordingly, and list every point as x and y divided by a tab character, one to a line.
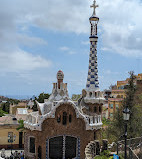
92	80
47	149
78	147
64	139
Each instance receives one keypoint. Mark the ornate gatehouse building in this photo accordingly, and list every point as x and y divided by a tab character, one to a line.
61	128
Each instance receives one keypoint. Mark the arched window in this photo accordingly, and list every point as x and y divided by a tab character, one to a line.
70	118
64	118
95	109
58	118
100	109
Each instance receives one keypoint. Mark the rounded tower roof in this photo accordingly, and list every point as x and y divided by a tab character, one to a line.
60	75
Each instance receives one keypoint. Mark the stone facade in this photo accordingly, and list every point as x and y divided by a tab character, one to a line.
51	128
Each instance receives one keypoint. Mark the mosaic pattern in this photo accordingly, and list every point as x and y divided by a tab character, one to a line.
64	139
92	79
47	149
78	148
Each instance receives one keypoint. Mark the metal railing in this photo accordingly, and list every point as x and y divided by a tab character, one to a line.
134	148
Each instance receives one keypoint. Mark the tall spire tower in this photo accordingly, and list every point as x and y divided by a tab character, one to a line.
91	93
92	79
92	98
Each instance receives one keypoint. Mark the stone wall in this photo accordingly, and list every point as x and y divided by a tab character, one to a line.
51	128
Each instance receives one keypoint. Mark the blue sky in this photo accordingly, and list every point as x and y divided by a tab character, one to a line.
38	38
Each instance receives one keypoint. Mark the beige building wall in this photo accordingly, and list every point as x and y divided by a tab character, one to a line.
113	105
13	108
119	93
4	131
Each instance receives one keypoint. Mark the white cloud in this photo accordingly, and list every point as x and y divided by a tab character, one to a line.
71	52
19	60
119	26
85	42
30	41
64	48
67	50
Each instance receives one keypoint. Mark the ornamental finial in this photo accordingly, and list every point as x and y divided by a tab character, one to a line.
94	6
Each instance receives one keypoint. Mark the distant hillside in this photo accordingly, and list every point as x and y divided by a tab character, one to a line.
2	98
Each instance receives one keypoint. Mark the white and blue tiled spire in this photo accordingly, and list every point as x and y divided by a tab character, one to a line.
92	79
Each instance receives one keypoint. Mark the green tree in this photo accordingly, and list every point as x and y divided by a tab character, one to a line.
2	113
42	96
40	99
116	127
35	105
5	106
21	125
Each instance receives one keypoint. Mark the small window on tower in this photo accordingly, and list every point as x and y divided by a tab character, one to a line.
90	94
70	118
64	118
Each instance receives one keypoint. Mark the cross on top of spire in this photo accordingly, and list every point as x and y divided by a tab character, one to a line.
94	6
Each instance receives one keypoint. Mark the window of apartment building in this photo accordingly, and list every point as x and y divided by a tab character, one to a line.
10	136
32	145
111	115
111	106
117	106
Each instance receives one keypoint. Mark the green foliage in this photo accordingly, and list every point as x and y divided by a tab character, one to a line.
115	128
21	125
40	99
35	106
5	106
76	97
104	155
42	96
101	157
2	112
105	121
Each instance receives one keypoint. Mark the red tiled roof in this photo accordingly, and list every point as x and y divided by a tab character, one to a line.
118	90
5	120
115	99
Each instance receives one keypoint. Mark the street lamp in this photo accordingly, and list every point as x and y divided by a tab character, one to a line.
126	116
11	139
